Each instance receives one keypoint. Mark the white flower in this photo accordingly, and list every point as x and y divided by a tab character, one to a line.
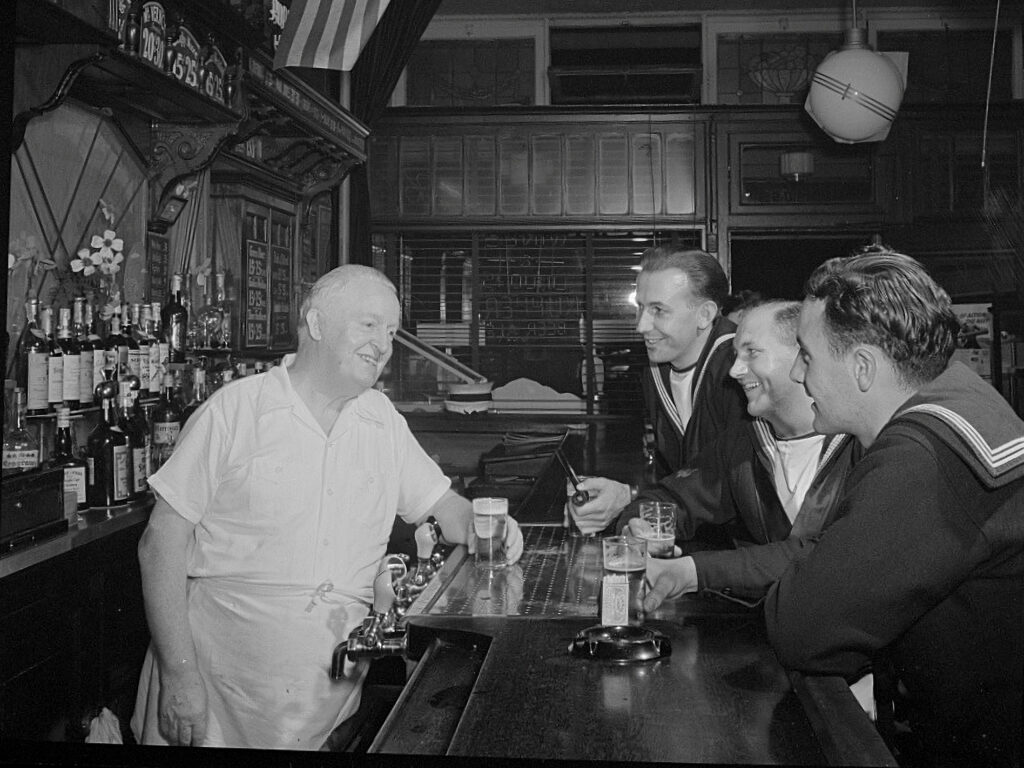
86	262
108	245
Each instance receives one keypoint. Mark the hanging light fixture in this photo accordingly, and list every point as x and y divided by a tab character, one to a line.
856	92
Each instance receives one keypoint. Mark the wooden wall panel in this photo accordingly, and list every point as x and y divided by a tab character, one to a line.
481	175
680	173
645	157
513	160
546	177
447	176
580	198
613	173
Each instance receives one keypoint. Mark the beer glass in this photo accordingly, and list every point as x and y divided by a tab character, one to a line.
490	519
660	531
623	580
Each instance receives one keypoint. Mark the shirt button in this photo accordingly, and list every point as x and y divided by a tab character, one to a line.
330	491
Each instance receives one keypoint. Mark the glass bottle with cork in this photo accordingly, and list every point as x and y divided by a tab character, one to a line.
174	318
136	445
86	350
166	424
65	455
99	360
108	455
34	368
158	350
55	363
72	358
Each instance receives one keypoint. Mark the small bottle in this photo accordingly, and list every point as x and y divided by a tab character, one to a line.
86	349
166	424
35	362
141	425
55	363
211	315
140	332
133	354
158	350
72	357
64	455
115	356
136	445
174	318
20	451
99	360
108	456
198	394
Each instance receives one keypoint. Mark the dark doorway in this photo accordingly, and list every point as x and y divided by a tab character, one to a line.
778	266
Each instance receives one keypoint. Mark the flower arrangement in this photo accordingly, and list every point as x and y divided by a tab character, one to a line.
98	265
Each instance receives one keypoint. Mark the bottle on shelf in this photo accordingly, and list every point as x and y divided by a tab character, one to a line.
136	444
166	424
72	358
86	349
35	362
55	363
108	455
99	360
198	394
174	318
141	424
140	333
20	450
210	318
228	302
115	356
158	350
64	455
133	354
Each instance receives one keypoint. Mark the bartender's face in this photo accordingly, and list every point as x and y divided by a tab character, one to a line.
358	332
670	318
827	379
763	363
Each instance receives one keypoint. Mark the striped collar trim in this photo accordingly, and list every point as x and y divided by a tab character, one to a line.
667	400
997	460
769	443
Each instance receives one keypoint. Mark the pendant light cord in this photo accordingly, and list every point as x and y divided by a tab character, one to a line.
988	99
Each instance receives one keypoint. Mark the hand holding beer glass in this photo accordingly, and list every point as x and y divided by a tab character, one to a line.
623	580
657	524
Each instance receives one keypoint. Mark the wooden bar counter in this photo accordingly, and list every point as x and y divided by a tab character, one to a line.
495	678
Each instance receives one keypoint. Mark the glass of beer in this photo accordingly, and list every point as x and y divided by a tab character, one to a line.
490	518
660	531
623	580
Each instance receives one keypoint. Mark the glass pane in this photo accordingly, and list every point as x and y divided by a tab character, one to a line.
804	175
771	68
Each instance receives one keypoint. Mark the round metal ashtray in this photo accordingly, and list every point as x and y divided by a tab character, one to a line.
621	644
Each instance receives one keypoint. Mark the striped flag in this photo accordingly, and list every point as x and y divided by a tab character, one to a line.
327	34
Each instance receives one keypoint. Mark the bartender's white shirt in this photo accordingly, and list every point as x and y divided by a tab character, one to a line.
291	525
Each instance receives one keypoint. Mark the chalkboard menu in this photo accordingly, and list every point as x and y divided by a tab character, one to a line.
158	252
257	294
532	289
280	296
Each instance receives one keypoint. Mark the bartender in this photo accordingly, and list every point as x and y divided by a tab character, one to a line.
271	519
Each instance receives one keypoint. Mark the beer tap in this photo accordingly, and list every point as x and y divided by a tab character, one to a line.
395	586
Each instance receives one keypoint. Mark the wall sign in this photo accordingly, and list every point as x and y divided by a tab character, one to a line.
183	57
152	34
280	297
158	255
257	297
213	73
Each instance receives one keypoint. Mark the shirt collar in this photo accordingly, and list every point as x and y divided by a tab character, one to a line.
278	393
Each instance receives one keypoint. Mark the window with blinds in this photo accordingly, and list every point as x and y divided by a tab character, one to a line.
554	307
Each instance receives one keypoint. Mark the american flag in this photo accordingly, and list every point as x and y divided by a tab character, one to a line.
327	34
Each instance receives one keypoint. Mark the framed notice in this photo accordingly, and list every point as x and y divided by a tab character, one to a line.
280	297
158	252
255	319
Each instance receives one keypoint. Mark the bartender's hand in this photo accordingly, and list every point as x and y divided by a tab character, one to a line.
607	498
182	707
513	540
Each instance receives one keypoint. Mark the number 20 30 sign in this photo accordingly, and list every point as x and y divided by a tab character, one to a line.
152	31
183	58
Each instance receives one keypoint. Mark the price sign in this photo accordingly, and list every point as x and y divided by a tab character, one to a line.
183	58
215	68
152	34
257	309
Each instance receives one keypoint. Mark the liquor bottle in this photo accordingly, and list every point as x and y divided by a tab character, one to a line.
99	359
55	363
166	424
20	451
158	350
63	455
228	302
174	318
133	355
141	425
140	332
113	346
72	357
86	348
210	318
35	362
198	394
108	455
136	445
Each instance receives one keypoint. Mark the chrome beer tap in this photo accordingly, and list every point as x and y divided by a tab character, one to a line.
382	633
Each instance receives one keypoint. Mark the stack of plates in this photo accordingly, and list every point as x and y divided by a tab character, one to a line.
469	398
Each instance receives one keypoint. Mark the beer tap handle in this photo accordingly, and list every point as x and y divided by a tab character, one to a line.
383	591
426	538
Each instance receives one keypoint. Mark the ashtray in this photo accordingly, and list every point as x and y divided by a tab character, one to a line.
620	643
